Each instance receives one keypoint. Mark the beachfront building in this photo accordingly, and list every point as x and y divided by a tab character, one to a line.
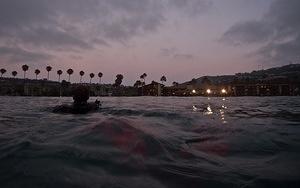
198	90
153	89
265	89
270	86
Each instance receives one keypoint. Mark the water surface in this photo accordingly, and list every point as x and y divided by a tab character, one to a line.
151	142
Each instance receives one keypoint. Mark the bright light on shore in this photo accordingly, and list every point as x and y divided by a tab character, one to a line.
194	91
224	91
208	91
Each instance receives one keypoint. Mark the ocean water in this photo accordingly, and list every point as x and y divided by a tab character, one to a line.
151	142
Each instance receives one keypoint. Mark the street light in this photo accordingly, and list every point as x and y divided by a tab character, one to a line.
223	91
194	91
208	91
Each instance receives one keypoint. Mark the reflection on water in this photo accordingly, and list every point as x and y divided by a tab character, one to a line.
208	110
195	109
222	111
151	142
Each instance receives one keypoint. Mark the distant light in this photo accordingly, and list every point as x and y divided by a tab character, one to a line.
208	91
194	91
209	111
224	91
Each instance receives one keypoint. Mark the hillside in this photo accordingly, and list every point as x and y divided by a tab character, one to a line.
290	72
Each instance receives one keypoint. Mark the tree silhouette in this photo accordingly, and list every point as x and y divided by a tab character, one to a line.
70	72
120	76
137	84
48	69
92	75
100	74
143	77
163	79
119	80
3	71
25	69
14	73
59	72
175	83
81	73
37	72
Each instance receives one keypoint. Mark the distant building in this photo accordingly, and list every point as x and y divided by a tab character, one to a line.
153	89
279	81
176	90
266	87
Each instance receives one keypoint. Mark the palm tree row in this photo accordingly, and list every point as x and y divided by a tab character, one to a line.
25	68
142	82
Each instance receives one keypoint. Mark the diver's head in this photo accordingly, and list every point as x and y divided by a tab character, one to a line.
81	94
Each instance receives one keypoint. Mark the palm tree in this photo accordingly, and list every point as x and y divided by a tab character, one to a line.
92	75
3	71
119	80
137	84
59	72
48	68
143	77
100	74
37	72
70	72
25	68
120	76
14	73
163	79
81	73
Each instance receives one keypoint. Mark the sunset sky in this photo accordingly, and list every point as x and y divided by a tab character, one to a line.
181	39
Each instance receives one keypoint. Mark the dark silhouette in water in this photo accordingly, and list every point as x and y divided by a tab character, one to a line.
80	105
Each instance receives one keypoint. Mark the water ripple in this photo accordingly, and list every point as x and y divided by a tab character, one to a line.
151	142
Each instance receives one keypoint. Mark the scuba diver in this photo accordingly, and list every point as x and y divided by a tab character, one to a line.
81	95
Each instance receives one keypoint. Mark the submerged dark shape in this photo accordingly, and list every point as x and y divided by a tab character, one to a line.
80	105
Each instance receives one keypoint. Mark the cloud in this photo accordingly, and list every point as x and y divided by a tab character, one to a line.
76	23
100	42
67	24
18	55
52	38
43	26
167	52
248	32
184	56
278	33
192	7
174	53
76	57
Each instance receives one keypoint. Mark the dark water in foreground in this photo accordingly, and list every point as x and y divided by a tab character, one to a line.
151	142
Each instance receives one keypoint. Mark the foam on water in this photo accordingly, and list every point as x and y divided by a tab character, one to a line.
151	142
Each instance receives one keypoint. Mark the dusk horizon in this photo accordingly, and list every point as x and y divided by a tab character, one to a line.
149	93
177	38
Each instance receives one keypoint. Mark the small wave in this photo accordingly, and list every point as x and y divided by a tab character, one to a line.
120	134
151	142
